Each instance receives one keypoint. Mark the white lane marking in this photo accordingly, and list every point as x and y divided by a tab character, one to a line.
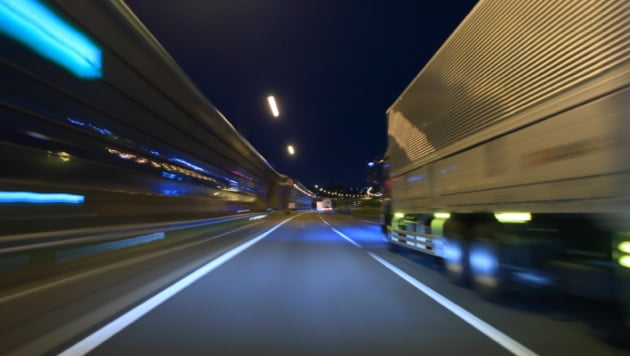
371	222
502	339
346	237
341	234
103	334
115	266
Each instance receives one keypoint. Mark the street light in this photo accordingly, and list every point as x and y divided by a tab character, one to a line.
291	150
273	106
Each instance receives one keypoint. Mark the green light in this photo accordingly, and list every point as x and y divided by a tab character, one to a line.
625	261
37	27
513	217
624	246
399	215
442	215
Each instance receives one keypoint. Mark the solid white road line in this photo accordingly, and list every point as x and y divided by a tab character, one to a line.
502	339
507	342
371	222
345	237
103	334
341	234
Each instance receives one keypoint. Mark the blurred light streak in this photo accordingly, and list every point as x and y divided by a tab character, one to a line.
188	164
453	253
442	215
415	178
82	252
376	195
39	28
483	261
172	192
64	156
624	247
257	217
37	135
625	261
513	217
273	106
169	175
533	278
40	198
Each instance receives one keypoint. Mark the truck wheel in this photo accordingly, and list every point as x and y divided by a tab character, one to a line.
485	269
456	260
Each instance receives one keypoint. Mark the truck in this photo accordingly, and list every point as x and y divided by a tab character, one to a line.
324	205
507	154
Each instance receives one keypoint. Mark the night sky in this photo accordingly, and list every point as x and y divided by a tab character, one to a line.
333	66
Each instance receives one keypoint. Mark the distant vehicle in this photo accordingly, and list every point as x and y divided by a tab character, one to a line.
508	153
324	205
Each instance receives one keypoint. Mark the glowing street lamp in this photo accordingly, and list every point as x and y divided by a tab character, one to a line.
291	150
273	106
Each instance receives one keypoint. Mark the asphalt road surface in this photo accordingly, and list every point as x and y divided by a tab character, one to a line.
305	284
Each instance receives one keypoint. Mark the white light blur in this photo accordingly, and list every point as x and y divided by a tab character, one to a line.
291	150
257	217
273	106
513	217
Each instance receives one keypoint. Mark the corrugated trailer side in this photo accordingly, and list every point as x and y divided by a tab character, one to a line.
507	151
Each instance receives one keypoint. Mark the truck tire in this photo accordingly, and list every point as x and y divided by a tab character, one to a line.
485	269
456	260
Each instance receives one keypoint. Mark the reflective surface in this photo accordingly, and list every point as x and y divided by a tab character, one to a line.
317	284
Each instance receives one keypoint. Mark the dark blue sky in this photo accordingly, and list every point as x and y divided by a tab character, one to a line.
334	67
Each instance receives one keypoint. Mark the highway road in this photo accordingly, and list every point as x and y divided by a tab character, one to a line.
300	284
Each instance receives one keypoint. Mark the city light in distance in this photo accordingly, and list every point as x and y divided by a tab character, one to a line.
273	106
343	194
291	150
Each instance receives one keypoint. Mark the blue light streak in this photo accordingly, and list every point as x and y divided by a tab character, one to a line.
171	192
39	28
169	175
415	178
39	198
100	130
187	164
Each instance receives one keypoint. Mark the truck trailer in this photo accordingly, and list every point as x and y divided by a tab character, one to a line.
509	154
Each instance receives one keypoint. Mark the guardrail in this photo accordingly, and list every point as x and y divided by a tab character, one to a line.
422	242
32	241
